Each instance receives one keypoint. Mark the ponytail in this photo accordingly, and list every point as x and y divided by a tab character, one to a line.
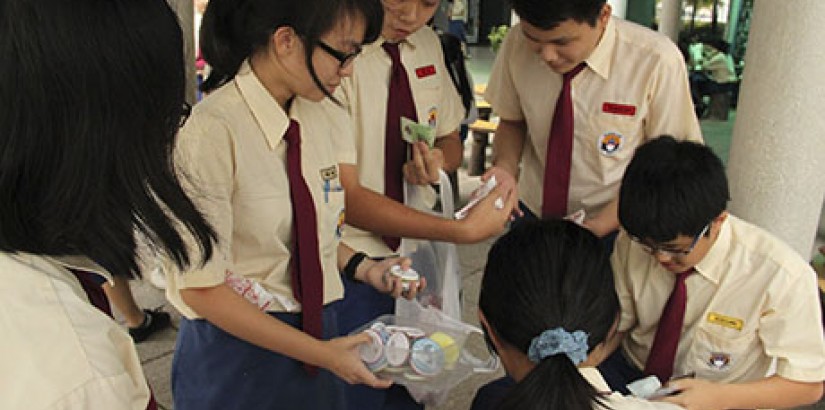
222	43
555	383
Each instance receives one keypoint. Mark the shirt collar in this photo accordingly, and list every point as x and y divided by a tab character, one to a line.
269	115
412	41
599	60
715	262
78	262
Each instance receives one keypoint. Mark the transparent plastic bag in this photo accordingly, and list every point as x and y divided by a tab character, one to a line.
423	350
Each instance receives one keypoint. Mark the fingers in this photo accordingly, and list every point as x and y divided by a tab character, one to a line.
423	168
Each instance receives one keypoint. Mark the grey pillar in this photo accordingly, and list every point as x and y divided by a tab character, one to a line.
185	9
777	156
670	21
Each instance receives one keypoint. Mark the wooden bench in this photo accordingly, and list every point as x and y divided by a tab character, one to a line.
480	131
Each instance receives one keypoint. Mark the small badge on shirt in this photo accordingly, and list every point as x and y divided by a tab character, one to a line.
339	227
432	117
425	71
619	109
718	361
610	143
725	321
328	175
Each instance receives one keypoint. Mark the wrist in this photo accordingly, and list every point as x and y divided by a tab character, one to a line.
363	269
350	270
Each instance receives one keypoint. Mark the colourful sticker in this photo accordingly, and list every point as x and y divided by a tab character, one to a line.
432	117
610	143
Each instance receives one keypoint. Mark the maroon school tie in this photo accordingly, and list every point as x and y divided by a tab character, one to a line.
399	104
307	275
666	341
559	151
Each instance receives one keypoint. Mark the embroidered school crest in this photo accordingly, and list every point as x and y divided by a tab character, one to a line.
610	143
718	360
432	117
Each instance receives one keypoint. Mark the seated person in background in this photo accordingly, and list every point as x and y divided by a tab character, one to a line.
714	73
547	305
705	293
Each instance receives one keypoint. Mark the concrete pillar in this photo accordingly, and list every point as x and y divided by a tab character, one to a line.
777	156
185	9
619	7
670	21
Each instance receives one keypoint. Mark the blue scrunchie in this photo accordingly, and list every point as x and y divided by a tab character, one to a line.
557	341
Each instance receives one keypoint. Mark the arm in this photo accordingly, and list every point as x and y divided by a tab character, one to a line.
376	213
770	392
606	221
377	273
224	308
507	147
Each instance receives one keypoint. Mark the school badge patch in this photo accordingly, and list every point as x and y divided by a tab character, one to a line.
718	361
610	143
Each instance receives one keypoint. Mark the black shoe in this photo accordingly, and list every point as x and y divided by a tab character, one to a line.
153	321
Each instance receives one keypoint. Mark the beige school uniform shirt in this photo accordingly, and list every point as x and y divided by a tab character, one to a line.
635	87
232	156
365	96
615	400
57	350
751	300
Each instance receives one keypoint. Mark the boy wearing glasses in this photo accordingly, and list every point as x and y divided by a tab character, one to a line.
709	295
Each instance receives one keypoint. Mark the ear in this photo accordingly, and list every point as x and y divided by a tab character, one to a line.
717	222
604	15
493	336
285	41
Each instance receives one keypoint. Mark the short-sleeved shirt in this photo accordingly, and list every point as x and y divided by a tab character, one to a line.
57	350
635	87
366	93
751	300
232	157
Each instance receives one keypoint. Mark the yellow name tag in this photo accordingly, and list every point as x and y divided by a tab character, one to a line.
725	321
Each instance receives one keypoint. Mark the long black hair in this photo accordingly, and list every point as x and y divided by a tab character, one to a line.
543	275
92	94
232	30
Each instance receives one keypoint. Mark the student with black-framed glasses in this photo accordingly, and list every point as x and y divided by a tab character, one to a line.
720	300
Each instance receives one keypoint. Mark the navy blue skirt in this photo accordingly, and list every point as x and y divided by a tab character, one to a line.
215	370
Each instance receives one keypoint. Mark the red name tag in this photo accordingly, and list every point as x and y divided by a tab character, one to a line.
619	109
425	71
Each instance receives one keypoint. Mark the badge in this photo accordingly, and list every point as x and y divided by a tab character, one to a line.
610	143
619	109
328	175
432	116
339	227
725	321
425	71
718	360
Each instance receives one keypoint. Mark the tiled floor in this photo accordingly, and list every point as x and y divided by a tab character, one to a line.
156	354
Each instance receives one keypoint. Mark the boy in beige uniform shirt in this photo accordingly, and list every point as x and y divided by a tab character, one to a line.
634	86
750	299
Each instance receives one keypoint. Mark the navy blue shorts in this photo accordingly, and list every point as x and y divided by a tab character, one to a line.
215	370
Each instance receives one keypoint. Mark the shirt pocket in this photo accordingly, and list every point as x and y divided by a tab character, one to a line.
427	95
718	354
611	139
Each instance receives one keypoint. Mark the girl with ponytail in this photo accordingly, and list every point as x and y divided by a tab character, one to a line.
260	155
547	306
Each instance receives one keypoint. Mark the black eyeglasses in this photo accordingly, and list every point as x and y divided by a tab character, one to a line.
345	59
672	253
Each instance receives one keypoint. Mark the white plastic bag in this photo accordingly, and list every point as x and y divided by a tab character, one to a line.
434	260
